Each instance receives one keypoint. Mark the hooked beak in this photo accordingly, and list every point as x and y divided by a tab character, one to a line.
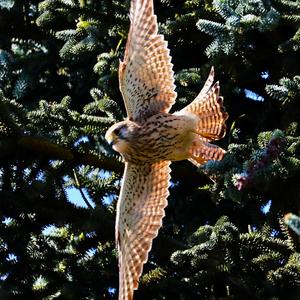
110	143
110	140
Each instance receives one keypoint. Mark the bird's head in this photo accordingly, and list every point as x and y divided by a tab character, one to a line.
119	135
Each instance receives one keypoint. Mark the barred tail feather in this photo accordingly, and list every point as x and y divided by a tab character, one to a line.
203	151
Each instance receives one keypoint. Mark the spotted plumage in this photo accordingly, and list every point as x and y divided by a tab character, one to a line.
150	138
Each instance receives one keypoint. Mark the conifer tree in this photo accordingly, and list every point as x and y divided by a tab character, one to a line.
231	229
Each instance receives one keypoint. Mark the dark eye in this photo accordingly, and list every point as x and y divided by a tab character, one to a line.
117	131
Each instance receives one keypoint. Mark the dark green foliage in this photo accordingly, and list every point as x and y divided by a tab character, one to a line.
252	265
236	237
242	18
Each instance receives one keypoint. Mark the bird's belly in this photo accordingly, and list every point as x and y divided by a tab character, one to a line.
163	137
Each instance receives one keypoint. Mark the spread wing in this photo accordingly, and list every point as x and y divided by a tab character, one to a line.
208	105
139	216
145	76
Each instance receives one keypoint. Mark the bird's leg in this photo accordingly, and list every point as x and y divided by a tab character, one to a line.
194	152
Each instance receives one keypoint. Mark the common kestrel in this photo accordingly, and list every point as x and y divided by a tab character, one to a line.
150	138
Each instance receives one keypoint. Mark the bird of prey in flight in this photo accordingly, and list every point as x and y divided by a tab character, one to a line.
151	137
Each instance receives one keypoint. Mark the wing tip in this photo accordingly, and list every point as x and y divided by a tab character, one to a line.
212	72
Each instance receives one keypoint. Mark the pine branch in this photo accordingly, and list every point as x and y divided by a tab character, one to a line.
7	118
33	146
80	190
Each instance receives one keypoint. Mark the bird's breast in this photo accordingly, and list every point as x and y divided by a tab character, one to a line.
161	137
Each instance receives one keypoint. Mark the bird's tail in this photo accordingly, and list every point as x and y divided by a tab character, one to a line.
211	115
202	151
